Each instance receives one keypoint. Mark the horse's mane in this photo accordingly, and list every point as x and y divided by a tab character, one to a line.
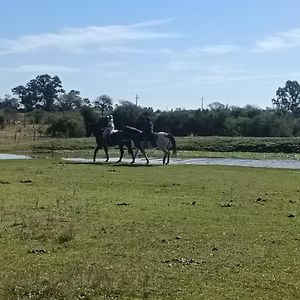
95	128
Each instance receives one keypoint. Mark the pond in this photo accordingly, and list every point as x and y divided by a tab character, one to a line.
13	156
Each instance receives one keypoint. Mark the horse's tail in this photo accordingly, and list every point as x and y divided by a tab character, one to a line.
173	142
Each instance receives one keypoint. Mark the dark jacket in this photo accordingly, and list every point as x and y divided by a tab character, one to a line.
148	130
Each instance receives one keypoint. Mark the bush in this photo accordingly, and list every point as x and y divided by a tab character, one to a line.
68	125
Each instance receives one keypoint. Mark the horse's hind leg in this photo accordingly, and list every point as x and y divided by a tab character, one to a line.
168	158
145	155
121	153
134	155
130	151
166	155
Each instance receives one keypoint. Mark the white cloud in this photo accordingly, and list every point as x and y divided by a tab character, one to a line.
220	49
283	40
81	39
41	69
133	50
153	23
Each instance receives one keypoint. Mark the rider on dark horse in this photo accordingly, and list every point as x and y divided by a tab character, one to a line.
109	129
147	133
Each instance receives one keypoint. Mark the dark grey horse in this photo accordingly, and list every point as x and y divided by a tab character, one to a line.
114	139
162	140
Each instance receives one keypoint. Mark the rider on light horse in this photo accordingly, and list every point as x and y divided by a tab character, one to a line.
148	132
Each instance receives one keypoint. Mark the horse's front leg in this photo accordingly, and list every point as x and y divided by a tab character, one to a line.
95	153
106	152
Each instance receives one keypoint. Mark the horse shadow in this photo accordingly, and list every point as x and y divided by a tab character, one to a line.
113	164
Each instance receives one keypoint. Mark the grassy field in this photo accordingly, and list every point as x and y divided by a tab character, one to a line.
80	231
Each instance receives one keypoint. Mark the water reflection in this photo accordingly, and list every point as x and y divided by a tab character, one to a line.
13	156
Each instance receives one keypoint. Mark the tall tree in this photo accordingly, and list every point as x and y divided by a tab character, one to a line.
104	103
41	92
70	101
48	89
288	97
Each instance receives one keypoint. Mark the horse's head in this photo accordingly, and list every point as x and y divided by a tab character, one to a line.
93	129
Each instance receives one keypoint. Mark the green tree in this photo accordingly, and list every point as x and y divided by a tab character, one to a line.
9	102
28	96
70	101
127	113
104	103
48	89
41	92
67	124
288	97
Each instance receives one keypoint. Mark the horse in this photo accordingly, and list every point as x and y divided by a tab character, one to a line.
161	140
114	139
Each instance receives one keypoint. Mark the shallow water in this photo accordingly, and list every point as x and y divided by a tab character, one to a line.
265	163
13	156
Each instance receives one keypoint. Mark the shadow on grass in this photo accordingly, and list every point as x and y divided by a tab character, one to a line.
113	164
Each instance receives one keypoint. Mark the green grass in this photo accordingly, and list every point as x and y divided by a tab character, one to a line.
84	231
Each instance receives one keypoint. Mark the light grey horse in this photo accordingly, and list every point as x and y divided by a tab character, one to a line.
161	140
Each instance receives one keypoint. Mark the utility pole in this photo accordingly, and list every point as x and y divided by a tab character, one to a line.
202	99
136	99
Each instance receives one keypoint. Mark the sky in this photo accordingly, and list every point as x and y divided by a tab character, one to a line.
171	53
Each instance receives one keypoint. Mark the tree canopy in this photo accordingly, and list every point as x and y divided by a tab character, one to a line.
41	92
288	97
104	103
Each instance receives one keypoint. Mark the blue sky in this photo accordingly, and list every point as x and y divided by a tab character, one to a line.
169	52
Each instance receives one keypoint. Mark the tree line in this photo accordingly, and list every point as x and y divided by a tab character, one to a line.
44	101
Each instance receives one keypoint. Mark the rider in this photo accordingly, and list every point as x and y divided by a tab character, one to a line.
148	131
109	128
